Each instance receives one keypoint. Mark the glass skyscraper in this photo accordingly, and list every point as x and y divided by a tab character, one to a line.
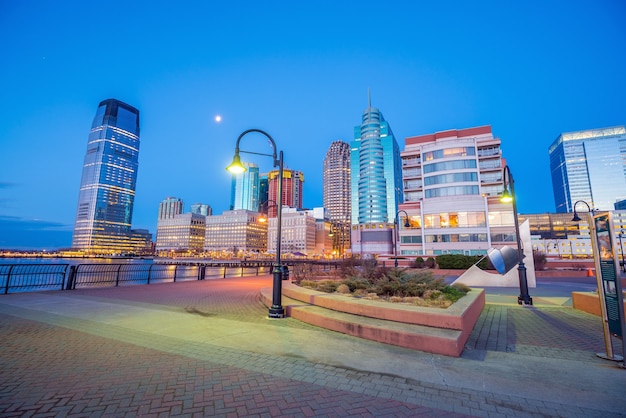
589	165
245	189
337	187
376	184
107	187
376	170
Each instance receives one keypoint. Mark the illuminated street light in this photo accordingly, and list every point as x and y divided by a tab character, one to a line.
276	310
406	225
508	196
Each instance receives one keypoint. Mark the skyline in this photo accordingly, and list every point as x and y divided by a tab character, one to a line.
299	72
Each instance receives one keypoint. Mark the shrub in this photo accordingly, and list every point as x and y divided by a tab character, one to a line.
328	286
396	285
539	258
419	262
342	288
430	262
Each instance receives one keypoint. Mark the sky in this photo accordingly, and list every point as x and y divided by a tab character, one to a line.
298	70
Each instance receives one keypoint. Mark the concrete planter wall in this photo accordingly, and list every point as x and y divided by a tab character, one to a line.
434	330
587	302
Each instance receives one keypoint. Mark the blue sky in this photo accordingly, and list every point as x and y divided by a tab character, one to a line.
299	70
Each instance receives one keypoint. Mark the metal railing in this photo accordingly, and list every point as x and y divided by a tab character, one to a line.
30	277
16	278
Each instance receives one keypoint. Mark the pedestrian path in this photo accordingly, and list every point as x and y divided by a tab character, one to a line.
206	348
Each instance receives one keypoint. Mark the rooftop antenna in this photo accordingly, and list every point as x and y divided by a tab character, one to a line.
369	98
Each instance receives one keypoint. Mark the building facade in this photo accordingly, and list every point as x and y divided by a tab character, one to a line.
235	232
170	207
109	177
452	186
201	209
376	184
245	189
293	186
337	194
298	233
182	233
590	166
557	236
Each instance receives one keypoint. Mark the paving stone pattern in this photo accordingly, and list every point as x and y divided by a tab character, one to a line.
59	366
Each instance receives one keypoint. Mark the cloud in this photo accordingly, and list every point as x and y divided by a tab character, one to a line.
33	234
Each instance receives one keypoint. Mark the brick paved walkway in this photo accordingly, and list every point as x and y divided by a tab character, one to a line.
112	352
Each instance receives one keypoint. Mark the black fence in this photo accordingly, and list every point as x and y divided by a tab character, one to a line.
31	277
16	278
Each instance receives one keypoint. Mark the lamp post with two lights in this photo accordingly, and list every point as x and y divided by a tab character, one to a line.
276	310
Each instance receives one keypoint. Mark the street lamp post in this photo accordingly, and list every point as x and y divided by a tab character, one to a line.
509	196
276	310
397	236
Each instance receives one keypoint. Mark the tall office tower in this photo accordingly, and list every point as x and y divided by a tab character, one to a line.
452	187
263	192
107	187
201	209
376	170
376	183
244	192
336	178
293	183
590	166
170	207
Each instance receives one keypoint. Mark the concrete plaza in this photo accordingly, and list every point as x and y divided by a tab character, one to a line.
206	348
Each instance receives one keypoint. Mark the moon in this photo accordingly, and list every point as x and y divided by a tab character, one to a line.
218	118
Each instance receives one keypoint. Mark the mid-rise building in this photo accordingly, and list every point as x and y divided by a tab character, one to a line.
201	209
337	194
453	181
107	187
589	165
182	233
376	184
293	185
236	232
245	188
298	233
170	207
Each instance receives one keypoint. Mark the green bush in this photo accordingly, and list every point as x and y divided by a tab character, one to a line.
419	262
393	283
328	286
430	262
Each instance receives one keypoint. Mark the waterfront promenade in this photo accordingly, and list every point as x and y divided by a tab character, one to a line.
206	348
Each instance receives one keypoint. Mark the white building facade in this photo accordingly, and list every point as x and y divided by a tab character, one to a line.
452	186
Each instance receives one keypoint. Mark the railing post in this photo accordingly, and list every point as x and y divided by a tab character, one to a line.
6	288
201	272
175	271
150	272
71	277
117	276
225	271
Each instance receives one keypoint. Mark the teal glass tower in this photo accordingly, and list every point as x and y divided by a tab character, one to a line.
244	192
589	165
376	170
107	187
